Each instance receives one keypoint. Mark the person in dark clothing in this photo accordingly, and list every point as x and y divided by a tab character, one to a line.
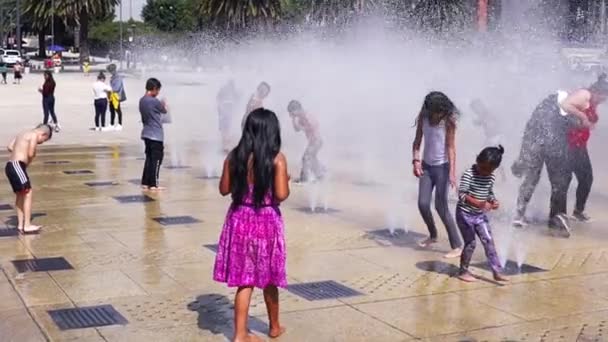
545	142
3	71
101	91
153	115
48	100
579	163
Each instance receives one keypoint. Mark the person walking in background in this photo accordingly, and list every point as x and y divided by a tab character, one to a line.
48	100
17	73
153	113
3	71
117	96
436	125
251	250
476	198
101	91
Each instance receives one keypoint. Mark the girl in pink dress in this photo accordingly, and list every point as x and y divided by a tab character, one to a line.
251	250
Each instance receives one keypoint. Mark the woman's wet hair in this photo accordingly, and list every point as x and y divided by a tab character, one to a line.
294	106
437	107
491	155
601	85
261	141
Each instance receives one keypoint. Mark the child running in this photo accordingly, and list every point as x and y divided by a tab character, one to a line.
476	198
251	250
22	152
257	100
303	121
436	123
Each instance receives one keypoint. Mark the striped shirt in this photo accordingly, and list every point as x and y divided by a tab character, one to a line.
477	186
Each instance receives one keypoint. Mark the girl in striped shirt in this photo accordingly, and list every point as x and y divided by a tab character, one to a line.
476	198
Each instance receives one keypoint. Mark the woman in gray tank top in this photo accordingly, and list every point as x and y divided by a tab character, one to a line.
436	127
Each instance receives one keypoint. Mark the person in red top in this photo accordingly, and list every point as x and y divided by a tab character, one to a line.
48	100
585	101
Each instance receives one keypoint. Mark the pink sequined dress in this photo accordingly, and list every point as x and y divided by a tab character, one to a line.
251	249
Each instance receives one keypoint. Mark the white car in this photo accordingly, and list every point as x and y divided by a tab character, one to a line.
10	57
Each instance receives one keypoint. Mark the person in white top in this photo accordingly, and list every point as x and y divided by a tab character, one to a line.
100	93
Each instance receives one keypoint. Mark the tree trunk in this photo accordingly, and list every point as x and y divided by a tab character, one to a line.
41	44
84	35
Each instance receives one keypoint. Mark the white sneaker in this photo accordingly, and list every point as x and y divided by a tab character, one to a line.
97	129
118	128
57	128
105	129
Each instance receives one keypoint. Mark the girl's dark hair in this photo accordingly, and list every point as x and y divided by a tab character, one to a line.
437	107
261	141
601	85
491	155
49	77
101	76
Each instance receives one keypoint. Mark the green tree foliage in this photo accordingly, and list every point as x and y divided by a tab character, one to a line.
443	17
74	13
236	15
170	15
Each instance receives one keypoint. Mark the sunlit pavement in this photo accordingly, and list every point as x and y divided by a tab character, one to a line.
146	260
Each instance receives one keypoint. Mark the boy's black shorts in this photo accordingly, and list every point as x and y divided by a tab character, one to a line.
17	176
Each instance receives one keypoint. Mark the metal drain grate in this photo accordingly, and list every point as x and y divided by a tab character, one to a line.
317	210
6	207
99	184
175	220
42	265
133	199
212	247
4	232
511	268
87	317
177	167
56	162
322	290
78	172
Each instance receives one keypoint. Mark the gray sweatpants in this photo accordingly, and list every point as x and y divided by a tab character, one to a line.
437	177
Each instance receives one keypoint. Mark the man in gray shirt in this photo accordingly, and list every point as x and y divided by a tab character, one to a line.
153	114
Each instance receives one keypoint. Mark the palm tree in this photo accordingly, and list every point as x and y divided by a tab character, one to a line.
74	13
239	14
40	14
338	12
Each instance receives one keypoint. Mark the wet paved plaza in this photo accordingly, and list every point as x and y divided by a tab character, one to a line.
140	265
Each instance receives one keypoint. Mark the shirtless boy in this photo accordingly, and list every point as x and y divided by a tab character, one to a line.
22	152
303	121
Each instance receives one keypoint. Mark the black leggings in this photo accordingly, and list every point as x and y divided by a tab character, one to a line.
154	159
101	106
48	107
113	112
580	165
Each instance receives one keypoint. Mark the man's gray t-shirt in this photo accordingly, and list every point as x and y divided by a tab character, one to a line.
152	110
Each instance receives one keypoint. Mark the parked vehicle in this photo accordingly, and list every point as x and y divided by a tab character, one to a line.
10	57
